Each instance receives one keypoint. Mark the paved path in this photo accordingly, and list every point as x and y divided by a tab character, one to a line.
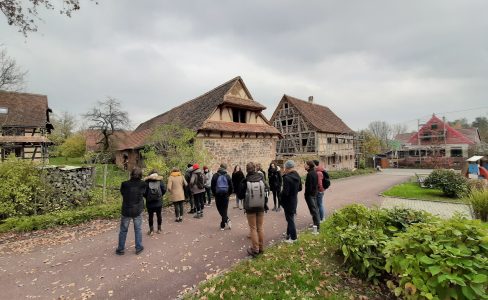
442	209
79	262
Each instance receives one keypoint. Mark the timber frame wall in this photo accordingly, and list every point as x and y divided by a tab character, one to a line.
34	151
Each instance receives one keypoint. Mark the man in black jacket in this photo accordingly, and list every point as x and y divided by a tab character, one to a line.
292	184
311	189
132	207
222	189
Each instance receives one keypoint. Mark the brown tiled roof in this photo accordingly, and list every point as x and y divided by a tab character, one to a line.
193	113
136	139
239	127
24	139
244	103
26	110
321	117
93	137
471	133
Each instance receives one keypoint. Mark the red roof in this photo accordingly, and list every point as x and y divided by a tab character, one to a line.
453	136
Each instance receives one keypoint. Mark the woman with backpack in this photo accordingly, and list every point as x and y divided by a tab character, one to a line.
176	186
197	186
237	177
275	182
154	199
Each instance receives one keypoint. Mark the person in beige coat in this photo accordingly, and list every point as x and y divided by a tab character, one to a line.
176	187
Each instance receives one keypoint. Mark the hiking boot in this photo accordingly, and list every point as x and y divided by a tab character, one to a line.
150	232
252	253
119	252
159	230
138	251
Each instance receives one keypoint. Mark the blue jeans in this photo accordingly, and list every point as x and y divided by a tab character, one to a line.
320	204
124	227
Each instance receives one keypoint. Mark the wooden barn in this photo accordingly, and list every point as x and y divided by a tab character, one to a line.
24	125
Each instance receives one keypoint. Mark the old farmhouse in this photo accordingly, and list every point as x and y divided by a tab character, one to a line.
435	144
312	130
229	125
24	125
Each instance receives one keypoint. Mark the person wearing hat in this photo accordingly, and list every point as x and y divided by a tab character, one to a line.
197	186
154	199
292	184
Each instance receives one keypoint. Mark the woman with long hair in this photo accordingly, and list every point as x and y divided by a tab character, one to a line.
237	177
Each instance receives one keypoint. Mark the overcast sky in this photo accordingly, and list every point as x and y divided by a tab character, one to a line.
367	60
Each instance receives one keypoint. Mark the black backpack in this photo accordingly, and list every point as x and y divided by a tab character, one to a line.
155	192
200	180
325	180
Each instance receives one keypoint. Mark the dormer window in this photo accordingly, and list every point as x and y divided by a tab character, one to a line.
3	110
238	115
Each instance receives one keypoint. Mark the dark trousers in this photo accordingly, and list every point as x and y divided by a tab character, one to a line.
198	200
190	198
208	191
178	209
291	230
222	202
314	211
151	212
276	195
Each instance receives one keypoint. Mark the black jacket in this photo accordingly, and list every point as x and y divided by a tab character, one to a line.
237	177
274	179
132	197
253	177
292	184
213	185
311	183
154	204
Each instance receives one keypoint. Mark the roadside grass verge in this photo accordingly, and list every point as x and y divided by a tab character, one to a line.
64	217
412	190
304	270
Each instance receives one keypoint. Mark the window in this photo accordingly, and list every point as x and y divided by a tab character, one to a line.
329	140
304	142
456	152
289	122
17	151
286	105
433	126
13	131
3	110
238	115
336	140
283	123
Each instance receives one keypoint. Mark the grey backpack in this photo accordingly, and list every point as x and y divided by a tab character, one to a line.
255	195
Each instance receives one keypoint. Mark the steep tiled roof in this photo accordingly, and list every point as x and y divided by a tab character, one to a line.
453	136
321	117
239	127
404	137
471	133
193	114
26	110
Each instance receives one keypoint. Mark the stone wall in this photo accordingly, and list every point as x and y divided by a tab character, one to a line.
239	151
69	180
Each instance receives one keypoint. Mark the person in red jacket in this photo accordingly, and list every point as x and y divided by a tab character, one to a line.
321	190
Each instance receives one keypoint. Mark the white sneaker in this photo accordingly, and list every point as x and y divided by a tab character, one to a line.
315	232
290	241
229	224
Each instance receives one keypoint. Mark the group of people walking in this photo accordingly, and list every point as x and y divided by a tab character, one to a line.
197	187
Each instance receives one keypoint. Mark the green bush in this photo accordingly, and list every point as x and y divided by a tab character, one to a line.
452	184
360	234
478	199
445	259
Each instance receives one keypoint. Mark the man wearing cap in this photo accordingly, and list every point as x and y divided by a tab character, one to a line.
197	186
292	184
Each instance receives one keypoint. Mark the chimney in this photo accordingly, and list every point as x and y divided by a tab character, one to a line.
310	99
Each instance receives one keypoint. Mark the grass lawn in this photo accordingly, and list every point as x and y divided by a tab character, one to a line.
305	270
412	190
69	161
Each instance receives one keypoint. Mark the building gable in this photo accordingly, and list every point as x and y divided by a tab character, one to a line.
435	131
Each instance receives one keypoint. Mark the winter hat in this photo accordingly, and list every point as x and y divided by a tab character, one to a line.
196	166
205	167
289	164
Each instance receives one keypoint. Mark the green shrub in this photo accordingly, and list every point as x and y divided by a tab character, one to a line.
359	235
452	184
478	199
445	259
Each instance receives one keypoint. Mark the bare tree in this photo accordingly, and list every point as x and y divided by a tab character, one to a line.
107	117
381	130
64	126
397	129
11	75
24	13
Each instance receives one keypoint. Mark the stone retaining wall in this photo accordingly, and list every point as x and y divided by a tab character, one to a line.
69	180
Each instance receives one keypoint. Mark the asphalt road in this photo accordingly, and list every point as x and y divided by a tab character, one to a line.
79	262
